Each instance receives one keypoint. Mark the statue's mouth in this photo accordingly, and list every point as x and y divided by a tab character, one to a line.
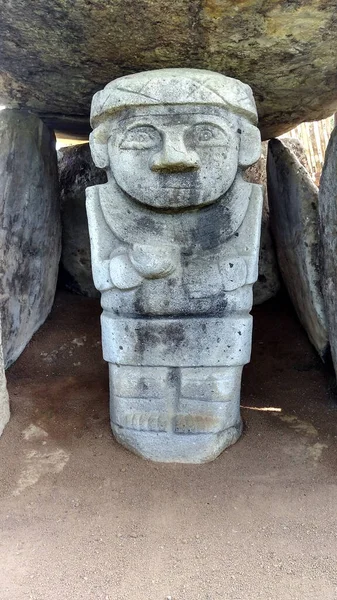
168	207
181	187
179	181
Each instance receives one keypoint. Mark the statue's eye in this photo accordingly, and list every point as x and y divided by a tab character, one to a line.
206	134
141	137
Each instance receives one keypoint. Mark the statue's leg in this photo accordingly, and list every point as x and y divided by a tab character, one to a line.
209	408
171	414
142	401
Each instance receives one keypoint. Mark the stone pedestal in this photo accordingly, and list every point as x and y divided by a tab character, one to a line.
175	242
30	229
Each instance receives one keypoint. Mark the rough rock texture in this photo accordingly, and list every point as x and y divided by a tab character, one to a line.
328	223
296	146
4	400
295	225
30	231
175	240
54	56
268	283
76	172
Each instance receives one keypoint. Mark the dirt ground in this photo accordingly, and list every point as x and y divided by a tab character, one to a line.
84	519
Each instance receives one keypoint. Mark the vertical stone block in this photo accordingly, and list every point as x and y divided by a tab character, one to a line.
30	230
293	202
328	226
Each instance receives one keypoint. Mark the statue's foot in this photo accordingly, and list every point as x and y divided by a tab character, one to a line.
175	415
167	446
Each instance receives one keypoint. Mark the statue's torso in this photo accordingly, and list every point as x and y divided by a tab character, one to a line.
216	265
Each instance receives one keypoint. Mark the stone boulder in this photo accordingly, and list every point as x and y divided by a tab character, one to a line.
30	232
76	172
296	146
294	220
328	224
268	283
54	56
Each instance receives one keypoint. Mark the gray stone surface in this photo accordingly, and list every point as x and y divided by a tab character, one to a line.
328	225
294	220
30	232
55	55
174	241
4	400
76	172
268	282
296	146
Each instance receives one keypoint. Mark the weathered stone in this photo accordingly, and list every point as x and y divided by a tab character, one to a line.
174	240
76	172
54	56
30	229
294	221
4	400
328	226
268	283
296	146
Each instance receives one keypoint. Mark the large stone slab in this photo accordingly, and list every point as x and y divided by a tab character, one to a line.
294	220
76	172
55	55
175	237
30	232
328	225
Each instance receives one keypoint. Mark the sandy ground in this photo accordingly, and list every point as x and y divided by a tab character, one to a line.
83	518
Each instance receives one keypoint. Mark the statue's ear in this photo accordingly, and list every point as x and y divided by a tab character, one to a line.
250	144
98	141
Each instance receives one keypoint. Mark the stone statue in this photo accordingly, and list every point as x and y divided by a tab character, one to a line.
175	243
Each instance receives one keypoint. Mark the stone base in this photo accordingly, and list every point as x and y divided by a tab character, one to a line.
171	447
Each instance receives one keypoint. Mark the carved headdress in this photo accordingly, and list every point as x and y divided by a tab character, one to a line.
171	87
174	86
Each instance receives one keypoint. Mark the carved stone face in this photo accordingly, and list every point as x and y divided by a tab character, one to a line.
174	156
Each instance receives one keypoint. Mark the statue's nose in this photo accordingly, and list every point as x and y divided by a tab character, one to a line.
174	157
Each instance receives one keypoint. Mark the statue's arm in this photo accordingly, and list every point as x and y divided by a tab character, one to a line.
118	265
252	232
239	259
102	242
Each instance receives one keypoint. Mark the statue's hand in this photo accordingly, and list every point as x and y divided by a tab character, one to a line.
154	261
122	273
143	261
